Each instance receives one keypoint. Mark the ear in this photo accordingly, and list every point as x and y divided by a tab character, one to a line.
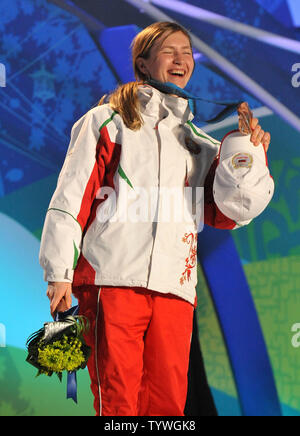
140	63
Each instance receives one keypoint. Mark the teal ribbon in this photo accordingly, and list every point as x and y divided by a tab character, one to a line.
170	88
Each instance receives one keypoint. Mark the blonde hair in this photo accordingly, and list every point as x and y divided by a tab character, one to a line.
124	99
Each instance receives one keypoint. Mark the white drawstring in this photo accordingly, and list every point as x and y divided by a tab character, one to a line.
96	352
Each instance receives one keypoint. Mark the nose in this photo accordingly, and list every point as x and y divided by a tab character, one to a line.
178	59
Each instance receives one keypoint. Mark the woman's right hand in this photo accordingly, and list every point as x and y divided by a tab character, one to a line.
60	296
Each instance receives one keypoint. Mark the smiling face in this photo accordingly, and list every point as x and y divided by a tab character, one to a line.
171	60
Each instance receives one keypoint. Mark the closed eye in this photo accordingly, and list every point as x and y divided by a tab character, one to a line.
185	53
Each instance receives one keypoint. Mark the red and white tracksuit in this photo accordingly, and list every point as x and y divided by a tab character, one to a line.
135	279
141	343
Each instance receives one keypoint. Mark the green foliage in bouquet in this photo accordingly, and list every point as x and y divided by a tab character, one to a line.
59	346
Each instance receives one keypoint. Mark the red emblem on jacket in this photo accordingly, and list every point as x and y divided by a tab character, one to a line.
191	261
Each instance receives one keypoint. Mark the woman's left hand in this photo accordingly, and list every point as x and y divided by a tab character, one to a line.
259	136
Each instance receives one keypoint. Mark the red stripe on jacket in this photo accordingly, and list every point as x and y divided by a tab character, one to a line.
107	160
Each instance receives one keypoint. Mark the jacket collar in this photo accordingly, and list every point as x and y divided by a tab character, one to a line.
157	104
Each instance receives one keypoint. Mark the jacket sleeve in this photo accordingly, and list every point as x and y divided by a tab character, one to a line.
79	180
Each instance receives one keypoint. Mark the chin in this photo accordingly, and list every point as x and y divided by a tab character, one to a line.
178	83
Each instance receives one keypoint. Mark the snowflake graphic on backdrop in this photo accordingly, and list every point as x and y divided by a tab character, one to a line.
55	74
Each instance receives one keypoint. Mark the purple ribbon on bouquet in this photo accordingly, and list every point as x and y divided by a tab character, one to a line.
72	376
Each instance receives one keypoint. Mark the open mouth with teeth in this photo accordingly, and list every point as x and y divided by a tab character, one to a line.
177	73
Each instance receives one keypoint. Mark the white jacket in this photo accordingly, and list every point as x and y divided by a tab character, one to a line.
87	240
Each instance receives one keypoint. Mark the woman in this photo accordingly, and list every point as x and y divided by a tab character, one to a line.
135	279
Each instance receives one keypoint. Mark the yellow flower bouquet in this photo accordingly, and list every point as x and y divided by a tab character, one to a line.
59	346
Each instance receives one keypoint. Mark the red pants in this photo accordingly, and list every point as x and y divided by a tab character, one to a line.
140	343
